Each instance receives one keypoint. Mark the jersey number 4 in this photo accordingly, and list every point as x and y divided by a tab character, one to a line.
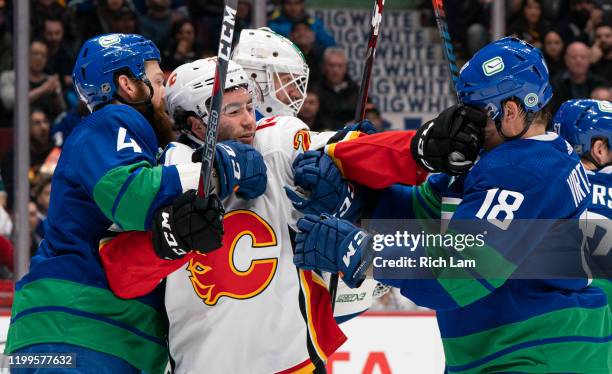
502	207
123	142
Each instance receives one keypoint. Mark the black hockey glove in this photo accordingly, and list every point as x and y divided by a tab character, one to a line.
187	225
451	142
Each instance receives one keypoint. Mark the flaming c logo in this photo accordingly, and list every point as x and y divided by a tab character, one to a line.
301	140
214	275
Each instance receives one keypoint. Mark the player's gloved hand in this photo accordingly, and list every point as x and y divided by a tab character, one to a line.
315	172
451	142
364	126
333	245
240	168
188	224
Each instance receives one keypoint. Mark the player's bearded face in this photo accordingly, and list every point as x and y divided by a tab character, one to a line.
237	116
161	121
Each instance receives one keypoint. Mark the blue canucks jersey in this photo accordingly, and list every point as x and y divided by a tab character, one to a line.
106	175
496	323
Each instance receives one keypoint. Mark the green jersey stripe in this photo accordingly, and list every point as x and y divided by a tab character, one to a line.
125	194
560	323
53	326
567	357
50	292
135	203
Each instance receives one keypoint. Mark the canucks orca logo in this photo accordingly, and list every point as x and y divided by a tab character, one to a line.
108	40
493	66
531	100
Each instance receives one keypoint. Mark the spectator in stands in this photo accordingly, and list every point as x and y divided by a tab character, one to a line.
373	115
553	52
6	228
337	92
124	20
310	109
573	18
183	47
304	37
6	40
40	146
602	93
6	259
6	57
207	18
577	81
35	225
89	18
601	52
41	194
596	18
59	60
530	27
45	90
156	24
292	11
42	10
3	195
243	18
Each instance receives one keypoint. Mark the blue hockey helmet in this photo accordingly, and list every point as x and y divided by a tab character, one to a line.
504	69
101	56
581	121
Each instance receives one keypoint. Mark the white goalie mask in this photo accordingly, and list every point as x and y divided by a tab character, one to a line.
189	88
277	66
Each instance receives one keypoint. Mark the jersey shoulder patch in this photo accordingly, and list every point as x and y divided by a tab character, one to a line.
280	133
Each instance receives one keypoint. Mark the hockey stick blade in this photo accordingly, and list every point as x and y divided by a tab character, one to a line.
212	130
449	51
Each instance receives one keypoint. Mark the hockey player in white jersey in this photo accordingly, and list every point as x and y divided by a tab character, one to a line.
587	126
246	297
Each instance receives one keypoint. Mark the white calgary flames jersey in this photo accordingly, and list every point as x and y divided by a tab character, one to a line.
245	308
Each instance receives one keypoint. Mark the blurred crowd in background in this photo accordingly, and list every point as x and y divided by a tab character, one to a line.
574	35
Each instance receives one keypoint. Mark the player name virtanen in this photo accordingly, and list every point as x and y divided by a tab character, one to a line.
423	262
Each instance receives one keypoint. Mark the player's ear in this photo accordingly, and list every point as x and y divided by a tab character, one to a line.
600	151
125	87
511	110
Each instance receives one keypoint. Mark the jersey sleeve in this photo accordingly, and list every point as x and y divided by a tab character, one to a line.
116	166
378	160
131	265
412	202
496	209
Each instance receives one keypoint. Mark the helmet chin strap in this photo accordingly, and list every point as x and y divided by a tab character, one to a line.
529	116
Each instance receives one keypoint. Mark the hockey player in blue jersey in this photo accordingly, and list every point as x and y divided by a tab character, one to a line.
489	322
587	126
108	174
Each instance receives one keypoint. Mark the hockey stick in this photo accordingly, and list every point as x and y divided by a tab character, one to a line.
212	130
364	87
449	51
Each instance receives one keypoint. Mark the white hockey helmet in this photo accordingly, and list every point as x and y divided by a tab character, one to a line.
190	87
276	65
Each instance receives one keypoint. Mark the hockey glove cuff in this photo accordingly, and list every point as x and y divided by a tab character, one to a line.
333	245
188	224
